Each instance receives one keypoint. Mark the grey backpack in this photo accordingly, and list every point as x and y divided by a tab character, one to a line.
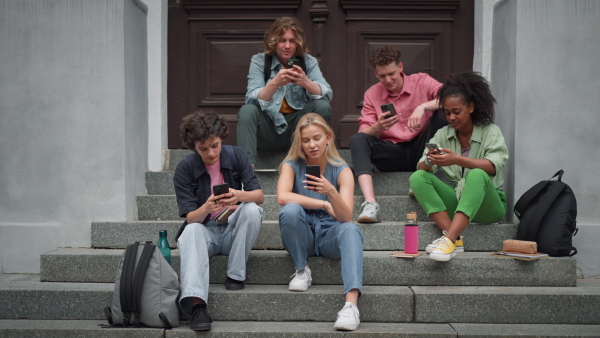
146	290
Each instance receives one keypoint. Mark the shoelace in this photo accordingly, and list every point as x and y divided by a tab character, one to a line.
370	207
299	274
439	239
347	311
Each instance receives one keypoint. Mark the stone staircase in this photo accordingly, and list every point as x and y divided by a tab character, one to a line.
473	295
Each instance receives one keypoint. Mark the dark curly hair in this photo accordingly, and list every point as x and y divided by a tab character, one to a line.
383	56
201	127
470	87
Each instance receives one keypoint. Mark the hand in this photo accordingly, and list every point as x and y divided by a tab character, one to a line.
414	121
444	158
231	198
212	204
297	76
319	184
384	122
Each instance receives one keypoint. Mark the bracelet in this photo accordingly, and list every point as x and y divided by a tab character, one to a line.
427	163
324	205
423	106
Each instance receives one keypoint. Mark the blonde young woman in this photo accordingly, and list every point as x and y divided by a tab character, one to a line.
316	218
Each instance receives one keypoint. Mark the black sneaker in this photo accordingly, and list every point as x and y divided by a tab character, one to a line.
232	284
200	320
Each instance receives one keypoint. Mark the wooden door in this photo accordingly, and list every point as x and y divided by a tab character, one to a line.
211	43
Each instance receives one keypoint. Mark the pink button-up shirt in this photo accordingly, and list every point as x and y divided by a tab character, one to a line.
418	88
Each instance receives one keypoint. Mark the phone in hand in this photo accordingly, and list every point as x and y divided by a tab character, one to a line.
220	189
388	107
223	216
432	146
314	170
292	62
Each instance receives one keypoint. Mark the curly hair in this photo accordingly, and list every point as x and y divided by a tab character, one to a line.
278	28
383	56
201	126
470	87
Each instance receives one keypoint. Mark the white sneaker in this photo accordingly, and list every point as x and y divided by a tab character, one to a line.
460	247
301	280
370	212
348	318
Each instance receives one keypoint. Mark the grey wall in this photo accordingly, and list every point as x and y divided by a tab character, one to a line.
73	130
546	76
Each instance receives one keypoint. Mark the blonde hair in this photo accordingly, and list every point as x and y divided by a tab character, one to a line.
296	152
278	28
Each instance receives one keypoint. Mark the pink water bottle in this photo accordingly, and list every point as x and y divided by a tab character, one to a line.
411	234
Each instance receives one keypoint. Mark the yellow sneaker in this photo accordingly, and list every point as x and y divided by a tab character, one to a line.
460	244
444	250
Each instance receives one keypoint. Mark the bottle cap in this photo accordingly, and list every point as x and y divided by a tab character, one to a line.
412	215
162	233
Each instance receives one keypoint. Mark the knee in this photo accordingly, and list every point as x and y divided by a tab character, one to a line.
192	232
477	174
358	139
289	215
418	176
349	231
323	108
248	113
251	214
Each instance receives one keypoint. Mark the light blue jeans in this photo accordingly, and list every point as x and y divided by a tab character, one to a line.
316	233
198	242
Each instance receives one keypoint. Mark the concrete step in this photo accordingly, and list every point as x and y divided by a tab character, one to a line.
470	268
164	207
30	299
232	329
388	183
378	236
264	159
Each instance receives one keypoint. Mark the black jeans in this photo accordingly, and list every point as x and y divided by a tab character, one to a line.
389	156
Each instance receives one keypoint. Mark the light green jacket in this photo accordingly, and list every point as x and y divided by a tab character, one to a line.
486	142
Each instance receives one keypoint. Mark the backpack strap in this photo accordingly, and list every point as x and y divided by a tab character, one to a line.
267	68
165	321
138	281
533	221
269	61
526	199
126	280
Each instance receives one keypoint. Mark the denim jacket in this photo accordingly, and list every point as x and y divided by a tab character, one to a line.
296	96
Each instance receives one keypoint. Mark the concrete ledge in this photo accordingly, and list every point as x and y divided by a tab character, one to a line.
510	305
13	328
164	207
525	330
65	265
379	236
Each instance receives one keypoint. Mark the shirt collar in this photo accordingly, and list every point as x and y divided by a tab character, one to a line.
476	136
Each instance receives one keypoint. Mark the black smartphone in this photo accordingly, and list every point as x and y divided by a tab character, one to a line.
432	146
388	107
292	62
220	189
314	170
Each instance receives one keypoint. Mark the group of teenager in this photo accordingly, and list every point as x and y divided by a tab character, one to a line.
288	108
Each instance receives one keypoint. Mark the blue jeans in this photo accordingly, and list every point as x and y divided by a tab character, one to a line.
198	242
316	233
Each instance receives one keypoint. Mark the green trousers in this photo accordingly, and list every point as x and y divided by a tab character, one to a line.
256	131
480	200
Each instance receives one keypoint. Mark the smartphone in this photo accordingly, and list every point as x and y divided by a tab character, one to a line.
314	170
292	62
432	146
388	107
220	189
223	216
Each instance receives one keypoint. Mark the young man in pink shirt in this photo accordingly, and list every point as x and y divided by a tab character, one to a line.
393	142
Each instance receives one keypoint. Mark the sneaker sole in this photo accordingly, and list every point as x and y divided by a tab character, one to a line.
459	249
442	257
345	327
201	327
366	219
298	288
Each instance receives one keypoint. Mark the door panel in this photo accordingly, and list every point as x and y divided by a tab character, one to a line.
211	43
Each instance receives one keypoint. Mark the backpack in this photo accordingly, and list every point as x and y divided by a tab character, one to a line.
269	60
547	213
146	290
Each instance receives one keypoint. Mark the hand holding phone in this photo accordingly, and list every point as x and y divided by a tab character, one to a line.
313	170
292	62
433	147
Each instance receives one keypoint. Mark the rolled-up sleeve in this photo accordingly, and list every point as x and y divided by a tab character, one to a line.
495	149
313	72
184	192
